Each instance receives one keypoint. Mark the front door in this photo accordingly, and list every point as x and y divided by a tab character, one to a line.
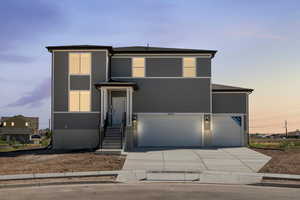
118	108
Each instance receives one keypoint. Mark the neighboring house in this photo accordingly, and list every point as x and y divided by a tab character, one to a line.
18	128
165	96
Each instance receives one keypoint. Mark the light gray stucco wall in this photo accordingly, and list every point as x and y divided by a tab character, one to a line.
75	138
171	95
79	82
61	65
60	81
229	103
121	67
203	67
163	67
76	120
98	75
159	67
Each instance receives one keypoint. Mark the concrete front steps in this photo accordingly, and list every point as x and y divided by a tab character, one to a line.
111	142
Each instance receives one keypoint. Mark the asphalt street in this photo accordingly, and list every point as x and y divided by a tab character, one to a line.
172	191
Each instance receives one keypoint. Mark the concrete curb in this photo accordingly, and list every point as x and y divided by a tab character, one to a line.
55	183
291	177
57	175
205	176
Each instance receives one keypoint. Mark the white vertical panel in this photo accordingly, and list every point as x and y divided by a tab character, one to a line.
85	97
189	67
138	67
74	63
85	63
74	101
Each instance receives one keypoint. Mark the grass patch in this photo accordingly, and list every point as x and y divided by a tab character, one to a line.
278	144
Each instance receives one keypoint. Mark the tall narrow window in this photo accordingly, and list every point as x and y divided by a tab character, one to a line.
189	67
79	63
12	123
26	123
138	67
4	123
79	101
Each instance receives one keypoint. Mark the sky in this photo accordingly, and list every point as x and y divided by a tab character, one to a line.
258	46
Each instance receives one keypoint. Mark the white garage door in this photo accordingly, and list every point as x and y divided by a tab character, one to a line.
227	130
155	130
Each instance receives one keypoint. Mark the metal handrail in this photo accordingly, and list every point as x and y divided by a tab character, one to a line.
103	132
122	128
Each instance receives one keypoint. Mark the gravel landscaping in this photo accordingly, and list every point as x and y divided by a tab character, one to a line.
44	161
283	161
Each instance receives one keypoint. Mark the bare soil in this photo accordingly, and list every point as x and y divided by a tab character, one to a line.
43	161
282	162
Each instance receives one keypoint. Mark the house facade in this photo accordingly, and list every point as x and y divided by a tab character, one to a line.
18	128
127	97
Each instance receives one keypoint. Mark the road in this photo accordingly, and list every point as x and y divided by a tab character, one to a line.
174	191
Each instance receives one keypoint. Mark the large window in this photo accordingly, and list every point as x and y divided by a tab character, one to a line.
189	67
79	101
79	63
138	67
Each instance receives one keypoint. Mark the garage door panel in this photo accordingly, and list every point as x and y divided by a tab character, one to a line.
227	131
169	130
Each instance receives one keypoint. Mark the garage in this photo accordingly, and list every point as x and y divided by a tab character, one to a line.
227	130
169	130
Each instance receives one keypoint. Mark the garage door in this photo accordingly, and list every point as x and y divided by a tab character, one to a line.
227	130
157	130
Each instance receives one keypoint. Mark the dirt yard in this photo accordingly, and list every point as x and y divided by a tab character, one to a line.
283	161
50	162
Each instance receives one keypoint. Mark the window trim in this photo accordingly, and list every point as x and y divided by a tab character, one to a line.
182	60
144	67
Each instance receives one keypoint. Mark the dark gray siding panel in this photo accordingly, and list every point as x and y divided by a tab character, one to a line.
121	67
203	67
60	67
79	82
98	75
76	120
229	103
171	95
163	67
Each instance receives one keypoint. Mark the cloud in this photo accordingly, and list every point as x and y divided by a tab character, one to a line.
26	20
35	97
15	58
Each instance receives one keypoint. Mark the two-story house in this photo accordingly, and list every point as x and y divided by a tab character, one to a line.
18	128
106	97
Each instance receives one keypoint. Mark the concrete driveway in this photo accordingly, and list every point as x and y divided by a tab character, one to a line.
220	159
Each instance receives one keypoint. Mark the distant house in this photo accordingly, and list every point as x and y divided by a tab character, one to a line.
18	128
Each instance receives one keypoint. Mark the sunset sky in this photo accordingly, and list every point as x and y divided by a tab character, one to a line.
258	45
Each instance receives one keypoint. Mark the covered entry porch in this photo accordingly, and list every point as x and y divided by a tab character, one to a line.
116	113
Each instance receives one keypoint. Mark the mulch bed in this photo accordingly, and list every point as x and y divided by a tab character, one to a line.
282	162
44	161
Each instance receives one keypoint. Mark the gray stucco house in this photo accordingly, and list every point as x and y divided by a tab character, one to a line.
127	97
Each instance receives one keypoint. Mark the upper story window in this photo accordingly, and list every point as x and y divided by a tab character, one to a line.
79	63
138	67
189	67
79	101
12	123
4	123
26	123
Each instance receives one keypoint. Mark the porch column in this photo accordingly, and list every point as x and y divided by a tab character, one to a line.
103	105
129	106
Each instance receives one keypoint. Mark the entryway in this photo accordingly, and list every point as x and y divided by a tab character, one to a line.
117	107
